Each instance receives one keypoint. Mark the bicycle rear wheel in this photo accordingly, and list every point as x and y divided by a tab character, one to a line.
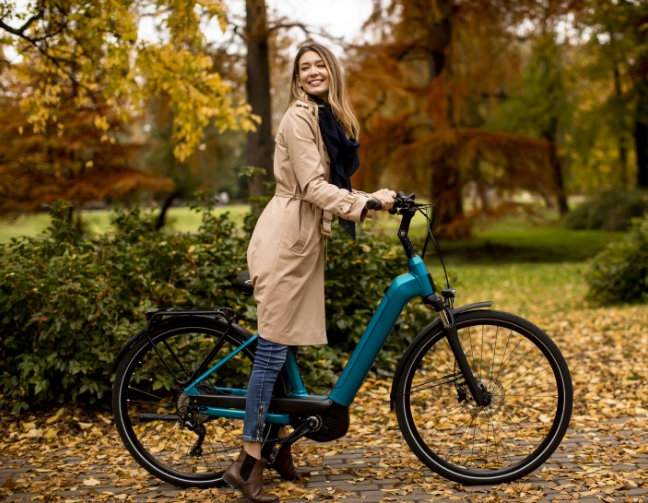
152	412
527	378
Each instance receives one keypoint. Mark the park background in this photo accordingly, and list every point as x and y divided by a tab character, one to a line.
122	123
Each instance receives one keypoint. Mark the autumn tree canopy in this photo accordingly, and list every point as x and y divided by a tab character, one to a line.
82	154
424	93
466	101
86	50
84	71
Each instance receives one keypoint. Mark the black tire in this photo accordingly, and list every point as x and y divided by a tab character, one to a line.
450	434
148	405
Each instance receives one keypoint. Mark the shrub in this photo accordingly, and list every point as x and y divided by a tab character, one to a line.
612	210
620	273
70	300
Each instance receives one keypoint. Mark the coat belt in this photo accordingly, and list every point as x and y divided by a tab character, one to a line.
327	216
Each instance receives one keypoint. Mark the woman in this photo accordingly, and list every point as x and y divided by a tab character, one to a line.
315	156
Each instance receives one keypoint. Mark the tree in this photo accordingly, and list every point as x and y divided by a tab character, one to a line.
91	52
640	73
540	106
212	166
423	93
618	39
260	147
263	39
72	159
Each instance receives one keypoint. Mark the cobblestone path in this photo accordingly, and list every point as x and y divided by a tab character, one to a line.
575	472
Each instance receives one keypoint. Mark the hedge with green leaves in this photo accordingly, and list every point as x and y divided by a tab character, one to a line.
70	300
620	273
612	210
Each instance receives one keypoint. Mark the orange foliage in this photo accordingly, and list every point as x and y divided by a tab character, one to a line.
423	93
76	157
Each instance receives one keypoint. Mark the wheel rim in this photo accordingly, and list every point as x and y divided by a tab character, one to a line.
156	410
527	390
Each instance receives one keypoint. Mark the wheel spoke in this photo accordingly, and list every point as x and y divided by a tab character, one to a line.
542	356
502	366
153	415
519	429
484	440
530	380
481	353
145	393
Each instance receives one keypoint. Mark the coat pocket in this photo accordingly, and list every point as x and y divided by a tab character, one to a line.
306	227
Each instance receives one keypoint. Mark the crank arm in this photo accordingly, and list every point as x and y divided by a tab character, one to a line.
302	430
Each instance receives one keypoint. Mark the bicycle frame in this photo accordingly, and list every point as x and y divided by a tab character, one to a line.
417	282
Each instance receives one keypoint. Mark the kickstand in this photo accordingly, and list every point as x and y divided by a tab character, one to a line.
303	429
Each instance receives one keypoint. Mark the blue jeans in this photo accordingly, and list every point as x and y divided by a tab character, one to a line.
268	361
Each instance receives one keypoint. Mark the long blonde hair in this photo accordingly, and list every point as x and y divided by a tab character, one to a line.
337	93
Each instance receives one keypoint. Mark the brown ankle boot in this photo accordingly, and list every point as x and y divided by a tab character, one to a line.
286	467
246	475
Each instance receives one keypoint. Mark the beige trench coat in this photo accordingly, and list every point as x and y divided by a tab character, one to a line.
286	253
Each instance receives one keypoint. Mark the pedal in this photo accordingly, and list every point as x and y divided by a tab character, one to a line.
312	423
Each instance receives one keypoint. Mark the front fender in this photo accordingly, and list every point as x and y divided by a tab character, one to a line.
432	326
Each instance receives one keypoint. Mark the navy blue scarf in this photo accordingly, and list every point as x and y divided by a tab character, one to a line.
343	152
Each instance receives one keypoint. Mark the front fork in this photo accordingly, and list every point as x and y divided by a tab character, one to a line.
450	331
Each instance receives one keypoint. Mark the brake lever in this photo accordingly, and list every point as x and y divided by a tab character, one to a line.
401	201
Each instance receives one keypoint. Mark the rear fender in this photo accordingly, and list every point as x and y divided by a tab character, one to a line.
435	325
129	343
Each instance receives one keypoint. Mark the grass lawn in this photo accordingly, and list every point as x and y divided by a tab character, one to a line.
178	219
521	241
527	289
515	238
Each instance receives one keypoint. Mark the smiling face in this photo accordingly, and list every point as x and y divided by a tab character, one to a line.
312	76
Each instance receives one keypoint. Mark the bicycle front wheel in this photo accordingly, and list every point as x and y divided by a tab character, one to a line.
153	414
522	370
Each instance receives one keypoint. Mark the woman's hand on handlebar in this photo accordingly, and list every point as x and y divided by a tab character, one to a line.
386	198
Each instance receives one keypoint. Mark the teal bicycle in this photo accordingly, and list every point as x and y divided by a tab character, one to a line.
481	396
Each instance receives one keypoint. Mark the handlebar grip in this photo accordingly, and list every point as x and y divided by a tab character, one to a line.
374	204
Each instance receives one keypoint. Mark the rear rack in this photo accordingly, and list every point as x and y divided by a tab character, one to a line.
224	312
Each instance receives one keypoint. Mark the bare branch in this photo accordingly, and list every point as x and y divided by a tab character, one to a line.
20	31
302	26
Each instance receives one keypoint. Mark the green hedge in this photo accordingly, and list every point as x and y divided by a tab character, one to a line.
70	300
620	273
611	210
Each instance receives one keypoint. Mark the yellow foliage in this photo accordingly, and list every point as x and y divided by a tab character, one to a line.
94	52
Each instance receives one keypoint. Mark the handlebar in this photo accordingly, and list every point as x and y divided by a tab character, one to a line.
401	201
374	204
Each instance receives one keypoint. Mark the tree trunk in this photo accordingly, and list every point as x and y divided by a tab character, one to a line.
260	142
546	196
623	151
557	173
445	180
446	194
551	135
641	135
161	219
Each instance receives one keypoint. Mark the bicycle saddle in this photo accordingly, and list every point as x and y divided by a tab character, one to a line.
244	283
